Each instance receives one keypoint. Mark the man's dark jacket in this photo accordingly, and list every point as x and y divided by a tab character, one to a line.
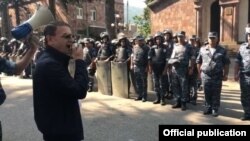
56	95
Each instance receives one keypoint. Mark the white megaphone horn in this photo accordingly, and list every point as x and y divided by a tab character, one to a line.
41	17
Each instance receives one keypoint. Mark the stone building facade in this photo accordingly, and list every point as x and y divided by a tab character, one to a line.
86	18
227	17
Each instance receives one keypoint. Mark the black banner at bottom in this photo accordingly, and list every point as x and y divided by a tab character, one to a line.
200	132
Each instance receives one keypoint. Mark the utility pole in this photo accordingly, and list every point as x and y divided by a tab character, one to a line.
128	22
127	12
87	30
16	6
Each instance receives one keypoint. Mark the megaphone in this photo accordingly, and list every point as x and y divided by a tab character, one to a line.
41	17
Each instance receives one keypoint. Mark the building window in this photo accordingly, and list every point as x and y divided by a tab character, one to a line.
93	15
79	13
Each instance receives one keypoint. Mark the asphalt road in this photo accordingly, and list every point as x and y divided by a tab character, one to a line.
109	118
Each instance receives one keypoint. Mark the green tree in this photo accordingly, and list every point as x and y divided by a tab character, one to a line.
143	25
143	21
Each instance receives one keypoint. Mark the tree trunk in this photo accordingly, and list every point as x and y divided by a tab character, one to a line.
16	6
52	7
5	21
110	17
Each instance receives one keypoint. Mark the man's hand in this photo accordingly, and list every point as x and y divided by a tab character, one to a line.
131	67
77	52
32	41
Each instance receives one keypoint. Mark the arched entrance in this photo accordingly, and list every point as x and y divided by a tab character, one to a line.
215	17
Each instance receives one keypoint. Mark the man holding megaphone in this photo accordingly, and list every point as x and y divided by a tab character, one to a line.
56	93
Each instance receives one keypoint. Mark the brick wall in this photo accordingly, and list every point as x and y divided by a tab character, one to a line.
174	14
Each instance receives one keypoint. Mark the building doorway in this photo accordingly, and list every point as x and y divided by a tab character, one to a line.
215	17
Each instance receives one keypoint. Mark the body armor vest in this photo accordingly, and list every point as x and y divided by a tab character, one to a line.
105	52
122	54
140	56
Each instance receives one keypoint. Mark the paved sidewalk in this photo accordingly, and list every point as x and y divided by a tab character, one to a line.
109	118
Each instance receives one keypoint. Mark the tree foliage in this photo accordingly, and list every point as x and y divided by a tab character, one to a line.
143	21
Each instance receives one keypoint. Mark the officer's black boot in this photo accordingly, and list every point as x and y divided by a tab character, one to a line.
245	117
138	98
207	111
183	106
163	100
177	105
158	99
215	113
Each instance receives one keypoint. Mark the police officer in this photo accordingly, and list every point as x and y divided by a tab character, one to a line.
192	79
89	56
168	41
106	51
198	45
175	39
213	66
150	41
139	64
182	61
157	57
242	73
124	51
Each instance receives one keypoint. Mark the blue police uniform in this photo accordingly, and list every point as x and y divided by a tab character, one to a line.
140	62
243	60
157	57
180	59
192	80
168	77
88	56
212	66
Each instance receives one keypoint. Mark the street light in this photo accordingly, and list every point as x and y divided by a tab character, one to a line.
117	25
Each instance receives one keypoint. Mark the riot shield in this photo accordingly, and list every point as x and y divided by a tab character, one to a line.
120	79
104	77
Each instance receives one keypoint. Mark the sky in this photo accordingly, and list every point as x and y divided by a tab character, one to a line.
135	3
